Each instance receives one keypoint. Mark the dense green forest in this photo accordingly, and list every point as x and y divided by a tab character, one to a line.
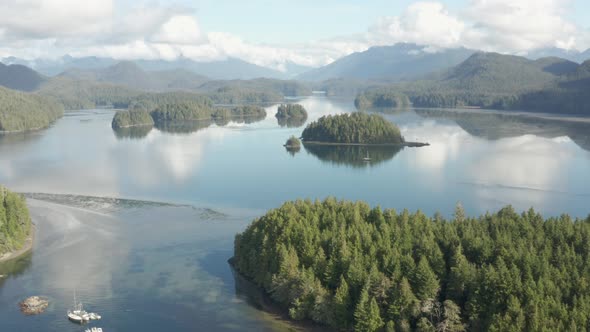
26	111
179	107
15	222
385	98
355	128
75	95
494	81
286	111
132	118
347	265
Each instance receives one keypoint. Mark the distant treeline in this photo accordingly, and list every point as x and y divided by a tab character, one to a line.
350	266
494	81
15	222
21	111
354	128
80	94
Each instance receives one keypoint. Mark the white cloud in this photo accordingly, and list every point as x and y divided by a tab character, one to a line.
521	25
54	18
51	28
179	29
427	23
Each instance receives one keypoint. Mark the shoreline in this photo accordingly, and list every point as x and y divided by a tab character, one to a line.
27	246
405	144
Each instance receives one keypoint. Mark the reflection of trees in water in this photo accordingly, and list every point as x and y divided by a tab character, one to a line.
191	126
291	122
137	132
388	110
292	150
15	267
495	126
352	155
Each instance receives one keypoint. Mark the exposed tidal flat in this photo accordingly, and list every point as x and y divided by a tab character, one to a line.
143	264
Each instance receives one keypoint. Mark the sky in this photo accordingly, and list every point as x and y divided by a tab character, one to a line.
275	33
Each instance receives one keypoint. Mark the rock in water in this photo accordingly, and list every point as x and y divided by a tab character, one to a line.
33	305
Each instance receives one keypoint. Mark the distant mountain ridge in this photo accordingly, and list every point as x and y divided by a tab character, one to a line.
19	77
230	68
129	74
395	63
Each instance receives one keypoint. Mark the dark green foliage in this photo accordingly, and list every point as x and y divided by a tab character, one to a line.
26	111
355	128
381	98
293	142
286	111
15	222
494	81
369	268
131	118
74	95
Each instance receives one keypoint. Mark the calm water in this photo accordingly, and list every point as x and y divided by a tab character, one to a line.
163	267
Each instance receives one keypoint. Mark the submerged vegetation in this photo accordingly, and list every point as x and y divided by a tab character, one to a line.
355	128
347	265
15	222
20	111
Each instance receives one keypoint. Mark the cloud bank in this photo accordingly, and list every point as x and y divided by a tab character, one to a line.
51	28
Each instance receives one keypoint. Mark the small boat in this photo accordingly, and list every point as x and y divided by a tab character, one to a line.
94	329
77	314
367	158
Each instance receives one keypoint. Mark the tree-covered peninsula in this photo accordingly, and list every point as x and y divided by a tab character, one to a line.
15	222
347	265
20	111
286	111
354	128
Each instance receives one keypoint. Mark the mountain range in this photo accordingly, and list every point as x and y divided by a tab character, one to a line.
230	68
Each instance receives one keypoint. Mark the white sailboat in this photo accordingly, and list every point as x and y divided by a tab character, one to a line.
367	158
78	314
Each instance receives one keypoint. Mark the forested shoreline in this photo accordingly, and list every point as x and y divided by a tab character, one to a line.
349	266
20	111
15	222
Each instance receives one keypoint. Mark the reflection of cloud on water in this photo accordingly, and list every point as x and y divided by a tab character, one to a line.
524	171
166	157
446	142
80	251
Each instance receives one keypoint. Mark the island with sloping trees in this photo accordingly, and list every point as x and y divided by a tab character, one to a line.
15	225
350	266
287	111
358	128
169	108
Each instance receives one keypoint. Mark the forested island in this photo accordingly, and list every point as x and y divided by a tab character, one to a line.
355	128
286	111
20	111
159	109
132	118
347	265
15	222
